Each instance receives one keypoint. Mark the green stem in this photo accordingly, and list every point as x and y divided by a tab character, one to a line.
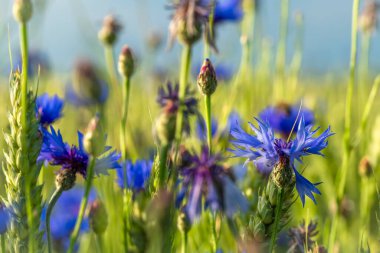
125	215
123	126
53	200
108	52
184	242
208	121
213	231
162	174
280	200
83	205
183	79
100	241
3	249
206	50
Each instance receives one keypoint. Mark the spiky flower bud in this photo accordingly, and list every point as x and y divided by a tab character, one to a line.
282	175
365	167
65	179
22	10
110	30
98	217
207	82
126	63
94	139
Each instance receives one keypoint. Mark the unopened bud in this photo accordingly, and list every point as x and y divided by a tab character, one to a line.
65	179
183	222
110	30
186	34
165	127
283	175
98	217
365	167
94	139
207	78
22	10
126	63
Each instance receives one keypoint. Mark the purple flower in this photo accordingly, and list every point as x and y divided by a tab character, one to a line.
228	10
283	117
48	109
265	151
55	151
204	177
135	175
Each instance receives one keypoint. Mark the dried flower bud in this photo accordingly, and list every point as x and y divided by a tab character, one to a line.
207	82
65	179
365	167
110	30
22	10
94	139
98	217
126	62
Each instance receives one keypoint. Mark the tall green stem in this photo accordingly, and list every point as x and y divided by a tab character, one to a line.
83	205
123	126
208	121
53	200
280	201
100	241
206	50
108	52
125	215
3	250
162	177
184	242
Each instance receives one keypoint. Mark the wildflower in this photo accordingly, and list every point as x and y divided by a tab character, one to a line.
134	175
64	216
227	10
126	62
267	152
4	218
38	63
189	22
48	109
368	18
302	237
110	30
74	158
87	88
282	117
206	178
206	81
22	10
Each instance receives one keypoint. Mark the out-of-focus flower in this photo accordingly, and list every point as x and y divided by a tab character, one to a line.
74	158
110	30
37	62
228	10
368	18
48	109
266	151
64	216
302	237
205	177
282	117
134	175
4	218
87	88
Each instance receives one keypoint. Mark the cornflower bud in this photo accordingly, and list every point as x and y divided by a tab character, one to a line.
65	179
98	217
126	63
166	125
365	167
22	10
110	30
183	222
94	139
207	82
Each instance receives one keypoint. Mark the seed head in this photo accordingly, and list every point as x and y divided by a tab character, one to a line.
65	179
22	10
207	82
110	30
126	62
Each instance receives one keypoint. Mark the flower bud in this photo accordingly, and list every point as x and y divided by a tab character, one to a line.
265	210
365	167
65	179
98	217
207	78
94	139
183	222
368	18
126	63
165	127
188	35
282	175
22	10
110	30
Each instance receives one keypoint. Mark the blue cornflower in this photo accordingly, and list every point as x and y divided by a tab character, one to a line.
4	219
228	10
266	151
55	151
136	175
282	117
37	60
205	178
48	109
64	216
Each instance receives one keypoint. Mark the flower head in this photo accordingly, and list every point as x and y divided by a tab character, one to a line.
266	151
134	175
282	117
55	151
228	10
205	177
304	236
48	109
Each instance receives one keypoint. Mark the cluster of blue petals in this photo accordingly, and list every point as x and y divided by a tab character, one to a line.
134	175
48	109
265	151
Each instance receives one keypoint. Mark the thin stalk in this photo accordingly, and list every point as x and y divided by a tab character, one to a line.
110	62
83	205
100	241
183	79
208	121
125	216
3	249
280	200
184	242
206	50
53	200
162	174
123	125
213	232
365	46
